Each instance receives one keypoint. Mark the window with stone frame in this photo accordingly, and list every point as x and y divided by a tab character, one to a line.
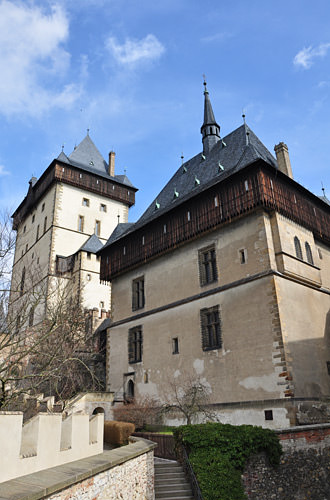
208	272
309	254
135	342
297	247
138	299
211	328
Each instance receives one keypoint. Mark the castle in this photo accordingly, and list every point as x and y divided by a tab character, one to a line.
225	277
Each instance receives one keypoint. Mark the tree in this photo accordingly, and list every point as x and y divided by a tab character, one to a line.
143	411
189	395
44	345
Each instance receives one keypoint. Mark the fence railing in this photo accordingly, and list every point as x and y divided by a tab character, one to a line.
165	444
190	474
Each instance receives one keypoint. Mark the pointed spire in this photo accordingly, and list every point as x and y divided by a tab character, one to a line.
210	130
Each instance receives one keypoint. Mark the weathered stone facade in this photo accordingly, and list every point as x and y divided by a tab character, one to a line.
304	470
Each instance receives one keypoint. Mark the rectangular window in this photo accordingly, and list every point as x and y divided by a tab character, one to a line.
37	235
243	255
31	316
246	185
328	367
42	207
80	223
208	272
103	208
135	341
211	328
89	255
45	224
85	202
175	345
97	227
188	216
269	415
138	293
33	218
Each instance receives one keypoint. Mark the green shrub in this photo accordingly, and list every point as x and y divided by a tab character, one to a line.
218	453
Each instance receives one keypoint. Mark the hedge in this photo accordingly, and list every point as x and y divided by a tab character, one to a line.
218	454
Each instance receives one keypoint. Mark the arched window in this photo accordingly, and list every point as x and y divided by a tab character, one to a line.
309	254
22	282
297	247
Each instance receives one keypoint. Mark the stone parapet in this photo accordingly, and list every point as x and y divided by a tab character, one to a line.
126	472
46	441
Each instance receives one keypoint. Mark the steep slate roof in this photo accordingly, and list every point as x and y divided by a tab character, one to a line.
87	157
119	230
87	154
92	244
231	154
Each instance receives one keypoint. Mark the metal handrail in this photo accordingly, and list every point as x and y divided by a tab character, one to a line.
191	475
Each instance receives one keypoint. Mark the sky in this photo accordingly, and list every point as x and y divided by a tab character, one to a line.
131	72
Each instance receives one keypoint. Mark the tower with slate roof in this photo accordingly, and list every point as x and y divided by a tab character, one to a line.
65	218
225	279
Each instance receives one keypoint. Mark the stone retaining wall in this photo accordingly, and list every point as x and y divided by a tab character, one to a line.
304	470
132	480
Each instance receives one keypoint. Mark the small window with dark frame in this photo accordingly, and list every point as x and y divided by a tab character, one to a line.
80	223
269	415
175	345
328	367
31	316
297	247
85	202
97	228
42	207
103	208
208	272
243	255
22	282
37	235
211	328
309	254
138	299
135	341
45	224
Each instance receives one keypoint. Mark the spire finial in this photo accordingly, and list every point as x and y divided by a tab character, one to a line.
88	131
323	189
243	116
204	83
182	157
62	147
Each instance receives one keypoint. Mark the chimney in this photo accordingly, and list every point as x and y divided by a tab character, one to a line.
283	159
112	155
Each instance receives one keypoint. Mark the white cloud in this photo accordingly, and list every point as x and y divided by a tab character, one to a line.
135	51
217	37
31	53
306	56
3	171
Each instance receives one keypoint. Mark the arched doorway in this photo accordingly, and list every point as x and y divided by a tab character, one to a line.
130	390
99	409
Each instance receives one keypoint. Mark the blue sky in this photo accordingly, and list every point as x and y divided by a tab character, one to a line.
131	71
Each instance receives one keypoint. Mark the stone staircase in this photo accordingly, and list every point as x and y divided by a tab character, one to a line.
170	481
